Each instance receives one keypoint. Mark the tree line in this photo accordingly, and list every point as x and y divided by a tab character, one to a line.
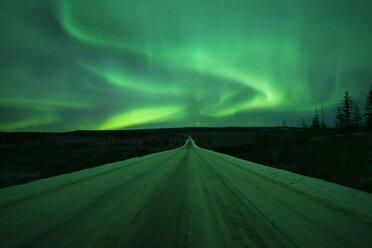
349	115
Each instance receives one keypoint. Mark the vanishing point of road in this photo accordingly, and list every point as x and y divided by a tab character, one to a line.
186	197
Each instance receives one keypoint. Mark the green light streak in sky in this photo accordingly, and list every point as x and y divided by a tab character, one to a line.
127	64
29	122
122	80
141	116
71	25
39	104
266	97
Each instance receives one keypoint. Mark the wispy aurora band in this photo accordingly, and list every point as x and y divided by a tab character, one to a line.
266	97
177	63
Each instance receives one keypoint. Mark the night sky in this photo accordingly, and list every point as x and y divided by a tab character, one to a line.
128	64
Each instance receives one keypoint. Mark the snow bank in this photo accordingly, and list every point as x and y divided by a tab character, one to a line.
22	192
350	201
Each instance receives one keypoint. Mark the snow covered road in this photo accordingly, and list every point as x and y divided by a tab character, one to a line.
186	197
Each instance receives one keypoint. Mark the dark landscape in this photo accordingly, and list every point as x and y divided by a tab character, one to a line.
327	154
186	123
30	156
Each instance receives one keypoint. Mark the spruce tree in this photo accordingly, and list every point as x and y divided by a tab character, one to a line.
339	119
368	111
347	111
284	123
357	120
303	123
322	121
315	121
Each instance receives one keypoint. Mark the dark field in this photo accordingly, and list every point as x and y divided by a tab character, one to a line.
327	154
29	156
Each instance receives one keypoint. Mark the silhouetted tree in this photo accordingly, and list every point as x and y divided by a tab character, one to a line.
368	111
315	121
284	123
304	123
323	123
347	111
339	118
357	120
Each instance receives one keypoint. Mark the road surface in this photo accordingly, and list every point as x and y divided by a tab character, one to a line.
186	197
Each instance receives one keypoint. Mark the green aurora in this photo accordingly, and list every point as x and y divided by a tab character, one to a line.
125	64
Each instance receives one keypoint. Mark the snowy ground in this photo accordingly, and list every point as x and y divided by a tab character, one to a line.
187	197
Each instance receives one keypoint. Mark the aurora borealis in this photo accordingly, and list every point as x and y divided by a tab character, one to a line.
124	64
